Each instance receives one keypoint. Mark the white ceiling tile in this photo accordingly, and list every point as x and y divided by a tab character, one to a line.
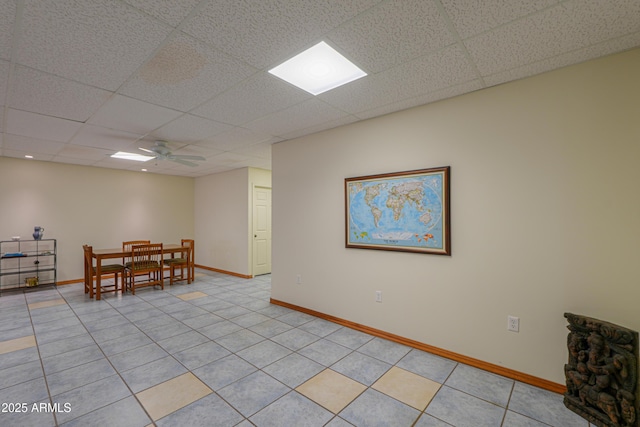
180	148
234	139
341	121
4	79
261	150
31	145
252	162
132	115
306	114
188	128
471	17
39	126
266	32
113	163
7	18
448	67
81	152
213	169
227	159
392	33
105	138
43	93
427	98
416	52
185	73
196	150
170	11
19	154
569	26
257	96
73	160
97	42
559	61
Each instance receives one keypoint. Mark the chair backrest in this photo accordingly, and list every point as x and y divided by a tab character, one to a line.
189	243
146	257
127	246
88	260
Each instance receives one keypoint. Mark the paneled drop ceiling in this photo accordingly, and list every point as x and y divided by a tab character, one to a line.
82	79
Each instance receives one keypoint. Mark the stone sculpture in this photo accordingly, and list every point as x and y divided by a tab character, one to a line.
602	373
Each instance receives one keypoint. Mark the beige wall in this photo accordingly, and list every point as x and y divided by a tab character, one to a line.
85	205
223	218
545	216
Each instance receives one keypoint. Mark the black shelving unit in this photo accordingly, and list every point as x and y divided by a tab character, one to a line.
27	264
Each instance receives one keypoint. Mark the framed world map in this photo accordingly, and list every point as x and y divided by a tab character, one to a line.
401	211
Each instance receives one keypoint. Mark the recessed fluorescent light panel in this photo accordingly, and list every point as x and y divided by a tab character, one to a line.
131	156
318	69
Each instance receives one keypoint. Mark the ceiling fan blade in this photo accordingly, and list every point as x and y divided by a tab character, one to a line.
186	157
183	162
148	151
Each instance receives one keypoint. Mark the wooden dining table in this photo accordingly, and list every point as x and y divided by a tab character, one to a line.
113	253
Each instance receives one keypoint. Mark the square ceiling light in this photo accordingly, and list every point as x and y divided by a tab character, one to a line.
318	69
131	156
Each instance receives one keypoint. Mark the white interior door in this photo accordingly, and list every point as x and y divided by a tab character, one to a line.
261	231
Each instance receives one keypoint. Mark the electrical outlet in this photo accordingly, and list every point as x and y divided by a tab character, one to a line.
513	324
378	296
299	279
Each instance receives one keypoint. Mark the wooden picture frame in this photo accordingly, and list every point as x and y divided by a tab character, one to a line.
402	211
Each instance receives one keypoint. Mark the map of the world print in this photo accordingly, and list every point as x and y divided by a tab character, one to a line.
407	211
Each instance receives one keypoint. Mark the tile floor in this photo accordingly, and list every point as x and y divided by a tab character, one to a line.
216	353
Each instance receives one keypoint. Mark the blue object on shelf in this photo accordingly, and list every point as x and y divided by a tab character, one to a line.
13	255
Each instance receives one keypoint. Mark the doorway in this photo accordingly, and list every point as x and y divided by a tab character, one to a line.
261	231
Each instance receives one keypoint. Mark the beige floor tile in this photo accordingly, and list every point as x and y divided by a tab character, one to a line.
192	295
168	397
17	344
332	390
50	303
407	387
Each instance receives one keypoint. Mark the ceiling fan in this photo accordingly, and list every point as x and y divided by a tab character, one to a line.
161	151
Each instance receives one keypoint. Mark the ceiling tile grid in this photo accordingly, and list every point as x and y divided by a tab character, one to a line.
306	114
473	17
97	42
567	27
7	15
258	96
190	129
184	74
81	79
132	115
263	33
170	11
566	59
427	98
27	144
42	93
237	139
104	138
4	82
34	125
443	68
393	33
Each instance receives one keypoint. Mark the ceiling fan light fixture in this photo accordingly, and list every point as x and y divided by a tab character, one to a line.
131	156
318	69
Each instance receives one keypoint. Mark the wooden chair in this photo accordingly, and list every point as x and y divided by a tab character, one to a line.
182	263
126	247
146	267
90	273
